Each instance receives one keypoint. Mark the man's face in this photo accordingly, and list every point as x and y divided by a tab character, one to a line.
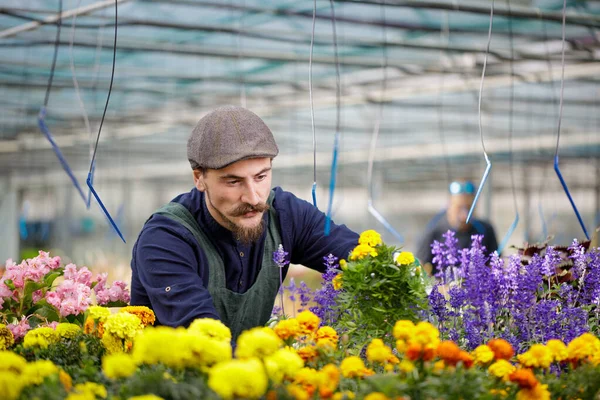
236	196
458	210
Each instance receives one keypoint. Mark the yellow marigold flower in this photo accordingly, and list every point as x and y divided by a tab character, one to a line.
370	238
558	349
118	365
6	337
326	336
439	365
404	329
40	337
297	392
250	379
483	354
345	395
307	353
11	362
361	251
283	364
337	281
401	346
146	397
211	328
501	369
583	347
91	389
538	356
499	392
145	314
308	379
426	334
378	352
65	379
343	264
405	258
122	325
35	372
353	367
257	342
309	322
406	366
538	392
376	396
287	328
68	331
206	351
112	343
10	384
98	313
501	348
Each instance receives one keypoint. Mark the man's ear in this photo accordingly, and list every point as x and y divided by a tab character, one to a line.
199	180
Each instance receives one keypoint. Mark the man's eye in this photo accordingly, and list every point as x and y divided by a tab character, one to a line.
232	182
261	177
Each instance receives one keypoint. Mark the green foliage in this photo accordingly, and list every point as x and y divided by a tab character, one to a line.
581	383
80	357
164	382
376	292
50	389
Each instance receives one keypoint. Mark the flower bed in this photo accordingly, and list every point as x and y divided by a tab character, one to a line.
377	329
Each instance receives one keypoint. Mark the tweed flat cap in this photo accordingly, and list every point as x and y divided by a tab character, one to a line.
229	134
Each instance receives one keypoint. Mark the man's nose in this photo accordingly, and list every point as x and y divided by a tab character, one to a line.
250	195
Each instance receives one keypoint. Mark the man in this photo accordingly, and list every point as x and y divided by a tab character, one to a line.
462	194
209	253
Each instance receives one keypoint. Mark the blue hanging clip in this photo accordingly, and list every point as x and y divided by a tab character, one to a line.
112	222
44	128
336	148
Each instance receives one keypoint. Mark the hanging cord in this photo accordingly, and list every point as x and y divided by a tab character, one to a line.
444	39
239	56
312	107
42	115
515	222
89	178
78	95
560	113
336	142
486	173
555	104
375	136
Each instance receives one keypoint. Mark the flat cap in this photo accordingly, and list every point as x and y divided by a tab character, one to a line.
229	134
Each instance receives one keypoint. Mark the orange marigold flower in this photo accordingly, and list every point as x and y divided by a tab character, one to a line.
307	353
501	348
309	322
416	351
449	352
287	328
326	336
466	359
145	314
538	392
93	328
523	377
65	380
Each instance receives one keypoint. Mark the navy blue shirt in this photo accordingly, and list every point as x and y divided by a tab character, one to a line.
170	269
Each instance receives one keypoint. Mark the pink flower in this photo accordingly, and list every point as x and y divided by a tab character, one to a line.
119	292
37	295
53	325
19	329
53	299
83	275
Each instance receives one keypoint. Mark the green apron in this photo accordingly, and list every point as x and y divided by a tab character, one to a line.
239	311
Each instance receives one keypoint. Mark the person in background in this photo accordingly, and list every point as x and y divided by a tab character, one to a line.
209	252
454	218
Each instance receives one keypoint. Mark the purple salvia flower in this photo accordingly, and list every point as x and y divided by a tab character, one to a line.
279	257
325	296
550	262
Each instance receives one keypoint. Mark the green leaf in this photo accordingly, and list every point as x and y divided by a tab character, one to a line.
9	283
49	278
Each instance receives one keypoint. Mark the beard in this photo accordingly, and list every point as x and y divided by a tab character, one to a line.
245	235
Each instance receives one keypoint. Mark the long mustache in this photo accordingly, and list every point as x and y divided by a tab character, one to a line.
246	208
